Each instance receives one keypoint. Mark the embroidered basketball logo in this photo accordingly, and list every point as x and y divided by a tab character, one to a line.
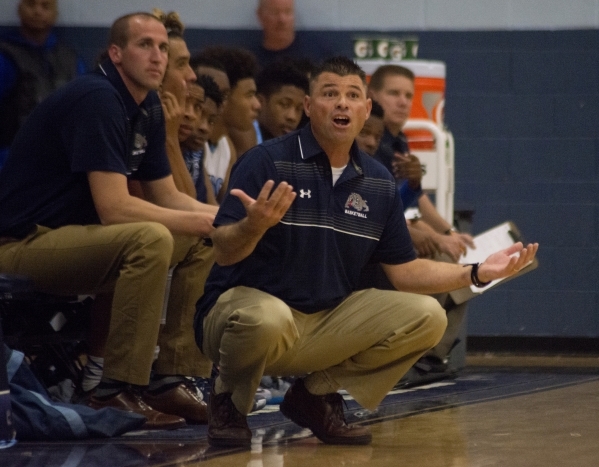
357	204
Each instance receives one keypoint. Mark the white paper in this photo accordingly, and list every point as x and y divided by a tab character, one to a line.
489	242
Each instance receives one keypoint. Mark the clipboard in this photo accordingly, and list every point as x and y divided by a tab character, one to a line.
490	241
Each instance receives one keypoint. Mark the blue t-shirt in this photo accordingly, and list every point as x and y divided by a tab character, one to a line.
194	160
312	259
90	124
259	138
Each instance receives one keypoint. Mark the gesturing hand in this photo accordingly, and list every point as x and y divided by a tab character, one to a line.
507	262
268	208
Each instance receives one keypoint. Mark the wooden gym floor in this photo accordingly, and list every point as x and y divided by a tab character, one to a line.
498	411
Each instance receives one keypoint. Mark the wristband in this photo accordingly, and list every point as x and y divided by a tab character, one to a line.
474	276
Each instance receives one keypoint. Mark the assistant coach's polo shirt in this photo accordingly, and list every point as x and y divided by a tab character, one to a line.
90	124
313	257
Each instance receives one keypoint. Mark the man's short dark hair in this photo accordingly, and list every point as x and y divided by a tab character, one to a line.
278	74
377	110
341	66
377	79
119	31
239	63
211	90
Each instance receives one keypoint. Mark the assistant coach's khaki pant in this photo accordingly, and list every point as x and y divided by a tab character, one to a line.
133	261
365	344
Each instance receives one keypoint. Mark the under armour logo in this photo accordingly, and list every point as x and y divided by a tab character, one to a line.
306	193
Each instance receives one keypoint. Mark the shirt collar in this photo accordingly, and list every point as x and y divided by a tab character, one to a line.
398	143
387	135
108	69
309	147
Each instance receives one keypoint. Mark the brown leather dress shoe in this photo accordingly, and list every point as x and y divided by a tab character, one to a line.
323	415
130	401
227	425
181	401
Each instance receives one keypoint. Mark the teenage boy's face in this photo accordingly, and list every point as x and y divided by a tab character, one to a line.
193	112
203	131
282	111
179	74
242	106
369	138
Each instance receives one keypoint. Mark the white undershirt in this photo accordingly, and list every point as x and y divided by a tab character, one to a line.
337	171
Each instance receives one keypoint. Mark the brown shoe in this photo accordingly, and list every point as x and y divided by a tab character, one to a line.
130	401
227	425
323	415
182	401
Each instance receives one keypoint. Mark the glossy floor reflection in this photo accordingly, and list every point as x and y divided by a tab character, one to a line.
518	419
558	427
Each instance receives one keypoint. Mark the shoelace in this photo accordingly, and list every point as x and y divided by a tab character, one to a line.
137	396
190	386
336	401
228	413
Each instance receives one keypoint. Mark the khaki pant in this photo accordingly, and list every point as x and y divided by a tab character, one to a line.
132	260
365	344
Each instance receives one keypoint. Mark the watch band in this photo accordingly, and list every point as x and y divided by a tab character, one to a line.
474	276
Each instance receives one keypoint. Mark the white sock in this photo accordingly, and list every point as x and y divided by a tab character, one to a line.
92	372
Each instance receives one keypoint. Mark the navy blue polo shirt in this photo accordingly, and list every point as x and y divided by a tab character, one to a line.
312	259
90	124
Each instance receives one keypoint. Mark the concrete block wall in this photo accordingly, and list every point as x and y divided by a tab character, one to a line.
523	107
